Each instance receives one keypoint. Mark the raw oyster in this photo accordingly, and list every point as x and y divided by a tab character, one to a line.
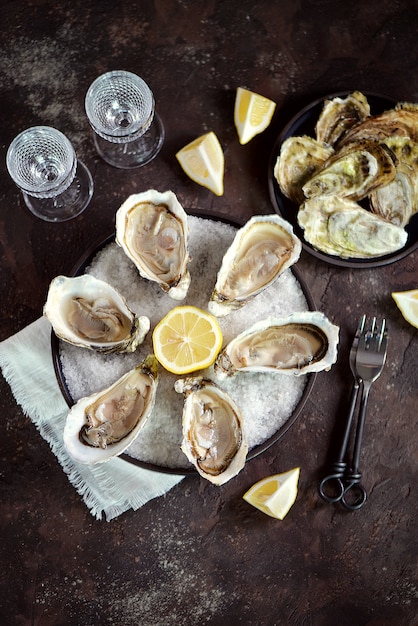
89	313
297	344
353	172
213	437
341	227
299	158
339	115
261	251
104	424
152	229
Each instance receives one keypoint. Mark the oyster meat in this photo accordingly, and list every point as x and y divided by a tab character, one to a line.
152	229
104	424
297	344
90	313
213	437
300	157
341	227
260	252
338	115
353	172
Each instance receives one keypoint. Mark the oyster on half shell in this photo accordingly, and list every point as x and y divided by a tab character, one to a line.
90	313
260	252
213	437
338	115
152	229
104	424
297	344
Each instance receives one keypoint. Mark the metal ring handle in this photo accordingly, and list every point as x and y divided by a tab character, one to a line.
331	488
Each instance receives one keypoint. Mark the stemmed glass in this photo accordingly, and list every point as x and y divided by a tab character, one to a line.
43	164
121	110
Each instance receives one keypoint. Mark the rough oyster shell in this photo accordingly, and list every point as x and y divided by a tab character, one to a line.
90	313
104	424
299	158
213	437
353	172
338	115
400	121
261	251
397	202
343	228
152	229
297	344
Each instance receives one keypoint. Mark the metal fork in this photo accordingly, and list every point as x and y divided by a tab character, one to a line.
367	358
370	360
331	488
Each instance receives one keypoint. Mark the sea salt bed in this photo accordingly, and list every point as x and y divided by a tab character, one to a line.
267	401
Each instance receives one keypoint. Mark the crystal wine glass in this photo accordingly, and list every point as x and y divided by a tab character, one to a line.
121	110
43	164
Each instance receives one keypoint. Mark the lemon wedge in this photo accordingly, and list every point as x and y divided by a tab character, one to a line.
203	161
407	302
252	114
276	494
187	339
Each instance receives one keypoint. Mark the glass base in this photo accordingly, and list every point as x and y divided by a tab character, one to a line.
68	204
134	153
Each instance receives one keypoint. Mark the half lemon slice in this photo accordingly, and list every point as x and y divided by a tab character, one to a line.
203	161
252	114
276	494
407	302
187	339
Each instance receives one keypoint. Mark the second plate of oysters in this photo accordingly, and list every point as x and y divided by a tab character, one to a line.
344	173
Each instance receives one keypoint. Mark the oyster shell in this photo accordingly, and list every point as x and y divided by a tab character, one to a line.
353	172
400	121
338	115
104	424
260	252
90	313
299	158
343	228
213	437
152	229
397	202
297	344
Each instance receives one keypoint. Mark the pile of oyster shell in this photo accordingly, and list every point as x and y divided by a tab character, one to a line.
152	229
356	181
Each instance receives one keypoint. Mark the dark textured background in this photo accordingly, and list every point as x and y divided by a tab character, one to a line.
201	554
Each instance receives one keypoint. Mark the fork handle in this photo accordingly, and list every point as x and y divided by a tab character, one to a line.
355	463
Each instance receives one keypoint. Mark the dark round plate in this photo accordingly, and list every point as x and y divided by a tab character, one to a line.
80	268
303	123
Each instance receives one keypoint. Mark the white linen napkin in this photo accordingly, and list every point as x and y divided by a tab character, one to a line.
107	489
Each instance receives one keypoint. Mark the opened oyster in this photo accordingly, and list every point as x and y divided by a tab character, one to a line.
341	227
152	229
297	344
338	115
353	172
261	251
89	313
104	424
299	159
213	438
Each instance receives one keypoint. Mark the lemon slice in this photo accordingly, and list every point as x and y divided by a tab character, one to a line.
187	339
252	114
276	494
203	161
407	302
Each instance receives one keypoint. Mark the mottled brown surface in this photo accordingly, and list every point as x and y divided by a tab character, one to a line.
201	555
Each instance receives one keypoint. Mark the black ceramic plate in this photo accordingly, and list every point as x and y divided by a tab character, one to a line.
80	268
304	124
